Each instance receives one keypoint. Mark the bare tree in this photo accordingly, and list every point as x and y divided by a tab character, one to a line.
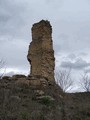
64	80
1	67
85	82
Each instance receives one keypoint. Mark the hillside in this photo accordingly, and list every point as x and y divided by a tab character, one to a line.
20	101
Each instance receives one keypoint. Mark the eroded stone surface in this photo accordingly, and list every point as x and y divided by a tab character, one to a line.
41	53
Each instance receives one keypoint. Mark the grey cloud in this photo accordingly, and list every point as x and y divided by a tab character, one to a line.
78	64
3	19
83	54
15	54
75	56
63	36
9	73
71	56
87	70
13	18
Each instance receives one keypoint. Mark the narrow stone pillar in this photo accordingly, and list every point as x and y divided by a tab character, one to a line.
41	53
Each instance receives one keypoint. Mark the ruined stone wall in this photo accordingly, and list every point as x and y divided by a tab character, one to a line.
41	53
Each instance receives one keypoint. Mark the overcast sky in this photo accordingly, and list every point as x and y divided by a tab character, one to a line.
70	20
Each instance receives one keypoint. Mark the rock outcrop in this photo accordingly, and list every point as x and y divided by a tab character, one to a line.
41	53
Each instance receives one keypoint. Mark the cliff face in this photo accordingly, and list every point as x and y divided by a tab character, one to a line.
41	53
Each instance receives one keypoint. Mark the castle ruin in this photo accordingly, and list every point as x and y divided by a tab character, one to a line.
41	53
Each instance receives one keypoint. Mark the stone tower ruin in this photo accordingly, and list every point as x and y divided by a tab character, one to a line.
41	53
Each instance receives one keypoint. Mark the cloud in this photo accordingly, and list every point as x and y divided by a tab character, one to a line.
14	54
10	73
78	64
87	70
83	54
71	56
12	17
75	56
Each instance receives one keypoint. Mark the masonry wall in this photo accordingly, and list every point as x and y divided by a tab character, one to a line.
41	53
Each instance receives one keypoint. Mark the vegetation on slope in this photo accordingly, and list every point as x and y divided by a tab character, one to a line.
23	102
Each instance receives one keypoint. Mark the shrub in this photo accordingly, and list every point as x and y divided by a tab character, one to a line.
46	101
